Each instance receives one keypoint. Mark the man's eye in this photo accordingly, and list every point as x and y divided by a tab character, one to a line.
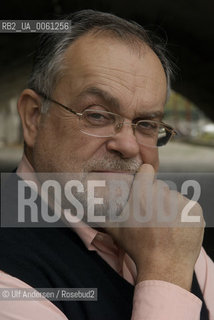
148	125
98	118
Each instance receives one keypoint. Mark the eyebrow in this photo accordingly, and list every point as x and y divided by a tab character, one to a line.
115	104
102	94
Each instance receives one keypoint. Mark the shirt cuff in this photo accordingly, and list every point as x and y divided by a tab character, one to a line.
161	300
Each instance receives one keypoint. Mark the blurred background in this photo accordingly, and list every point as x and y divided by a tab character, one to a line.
188	29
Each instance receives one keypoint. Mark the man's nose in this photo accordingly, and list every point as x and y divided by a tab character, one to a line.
124	142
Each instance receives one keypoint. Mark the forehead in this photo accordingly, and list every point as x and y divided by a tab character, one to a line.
133	74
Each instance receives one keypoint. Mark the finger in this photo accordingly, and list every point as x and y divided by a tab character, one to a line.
144	178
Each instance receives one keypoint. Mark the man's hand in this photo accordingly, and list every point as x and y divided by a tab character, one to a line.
166	253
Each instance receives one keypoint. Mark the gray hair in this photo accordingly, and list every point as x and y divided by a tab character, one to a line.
48	64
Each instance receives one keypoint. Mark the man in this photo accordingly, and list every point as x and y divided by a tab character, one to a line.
94	103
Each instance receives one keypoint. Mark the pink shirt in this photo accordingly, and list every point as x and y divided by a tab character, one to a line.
153	299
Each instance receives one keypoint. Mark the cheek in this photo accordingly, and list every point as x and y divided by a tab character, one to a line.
150	156
73	145
63	148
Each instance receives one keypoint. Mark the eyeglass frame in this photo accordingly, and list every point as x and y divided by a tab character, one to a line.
79	114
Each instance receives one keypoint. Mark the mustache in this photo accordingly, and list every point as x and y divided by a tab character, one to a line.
109	163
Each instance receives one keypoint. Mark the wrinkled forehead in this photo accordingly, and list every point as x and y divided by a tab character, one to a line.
90	50
103	60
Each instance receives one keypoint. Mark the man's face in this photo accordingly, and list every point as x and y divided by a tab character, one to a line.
101	71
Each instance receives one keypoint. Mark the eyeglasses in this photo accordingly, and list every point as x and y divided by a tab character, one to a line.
100	123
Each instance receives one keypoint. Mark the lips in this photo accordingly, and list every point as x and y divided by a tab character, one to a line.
111	171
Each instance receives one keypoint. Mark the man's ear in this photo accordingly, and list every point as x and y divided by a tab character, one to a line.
29	108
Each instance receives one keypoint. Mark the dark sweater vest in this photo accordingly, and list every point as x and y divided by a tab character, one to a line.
57	258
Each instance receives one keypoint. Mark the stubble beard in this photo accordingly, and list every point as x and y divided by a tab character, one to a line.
117	173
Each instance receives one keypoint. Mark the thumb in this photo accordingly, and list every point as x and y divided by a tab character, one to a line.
145	175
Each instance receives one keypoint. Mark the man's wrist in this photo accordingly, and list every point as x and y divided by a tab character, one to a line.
179	277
